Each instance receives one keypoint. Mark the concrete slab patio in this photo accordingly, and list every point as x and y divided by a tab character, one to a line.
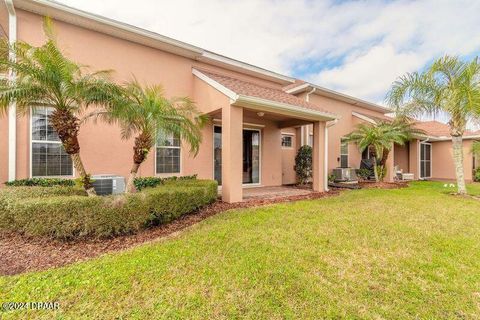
274	192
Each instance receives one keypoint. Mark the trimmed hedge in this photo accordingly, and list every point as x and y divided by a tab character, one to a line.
71	215
41	182
151	182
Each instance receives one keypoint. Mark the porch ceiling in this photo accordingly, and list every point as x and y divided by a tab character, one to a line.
250	115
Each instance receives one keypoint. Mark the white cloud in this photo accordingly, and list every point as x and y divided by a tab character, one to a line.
369	74
369	42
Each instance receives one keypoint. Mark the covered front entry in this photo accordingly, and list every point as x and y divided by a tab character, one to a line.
248	120
250	159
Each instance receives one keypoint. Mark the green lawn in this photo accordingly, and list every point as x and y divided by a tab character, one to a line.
407	253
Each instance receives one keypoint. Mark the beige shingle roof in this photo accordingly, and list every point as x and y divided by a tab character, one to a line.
439	129
433	128
250	89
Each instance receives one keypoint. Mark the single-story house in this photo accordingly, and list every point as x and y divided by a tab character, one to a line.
259	118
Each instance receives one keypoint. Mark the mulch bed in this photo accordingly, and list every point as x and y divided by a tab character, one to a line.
383	185
20	254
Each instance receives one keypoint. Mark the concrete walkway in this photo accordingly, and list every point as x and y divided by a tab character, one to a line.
273	192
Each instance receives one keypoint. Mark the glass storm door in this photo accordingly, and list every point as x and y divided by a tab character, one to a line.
425	160
217	154
251	156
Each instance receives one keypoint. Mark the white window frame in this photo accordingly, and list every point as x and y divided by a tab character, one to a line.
342	141
169	174
287	135
44	142
420	160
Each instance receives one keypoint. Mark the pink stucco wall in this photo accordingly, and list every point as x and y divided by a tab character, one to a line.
345	125
442	160
288	157
104	152
102	149
3	119
3	149
401	157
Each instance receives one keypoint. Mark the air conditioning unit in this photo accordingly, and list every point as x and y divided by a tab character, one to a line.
105	184
345	175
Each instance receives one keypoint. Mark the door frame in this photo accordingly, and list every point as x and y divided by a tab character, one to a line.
420	160
260	149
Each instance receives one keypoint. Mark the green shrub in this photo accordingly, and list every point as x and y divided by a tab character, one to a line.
74	216
364	173
41	182
476	175
303	164
10	196
151	182
38	192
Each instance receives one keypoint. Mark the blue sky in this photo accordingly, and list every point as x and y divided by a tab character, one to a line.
355	47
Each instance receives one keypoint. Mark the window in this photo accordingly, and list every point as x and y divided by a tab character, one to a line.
343	154
368	153
48	156
310	140
287	141
168	153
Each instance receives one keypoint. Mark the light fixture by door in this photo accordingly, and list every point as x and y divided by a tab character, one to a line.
260	114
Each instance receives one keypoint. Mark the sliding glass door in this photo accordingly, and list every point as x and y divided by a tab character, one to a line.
251	155
425	160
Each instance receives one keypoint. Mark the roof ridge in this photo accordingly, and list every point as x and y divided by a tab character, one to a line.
243	80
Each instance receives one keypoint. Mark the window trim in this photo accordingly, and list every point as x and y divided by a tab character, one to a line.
289	135
342	141
31	142
168	174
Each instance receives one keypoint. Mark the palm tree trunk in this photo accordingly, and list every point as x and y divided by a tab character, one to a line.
67	126
131	178
142	145
457	144
375	172
86	181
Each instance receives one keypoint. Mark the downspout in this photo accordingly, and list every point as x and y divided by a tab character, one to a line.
304	132
325	162
12	110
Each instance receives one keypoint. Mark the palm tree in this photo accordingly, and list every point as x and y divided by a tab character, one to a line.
45	77
449	86
144	112
382	136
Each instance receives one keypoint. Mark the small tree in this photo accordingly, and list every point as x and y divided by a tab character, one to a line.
449	86
144	112
382	136
46	77
303	164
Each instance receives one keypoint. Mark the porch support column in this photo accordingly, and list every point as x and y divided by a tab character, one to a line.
390	166
318	157
232	153
413	158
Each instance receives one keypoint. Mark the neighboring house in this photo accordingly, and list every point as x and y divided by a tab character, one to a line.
259	117
429	156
